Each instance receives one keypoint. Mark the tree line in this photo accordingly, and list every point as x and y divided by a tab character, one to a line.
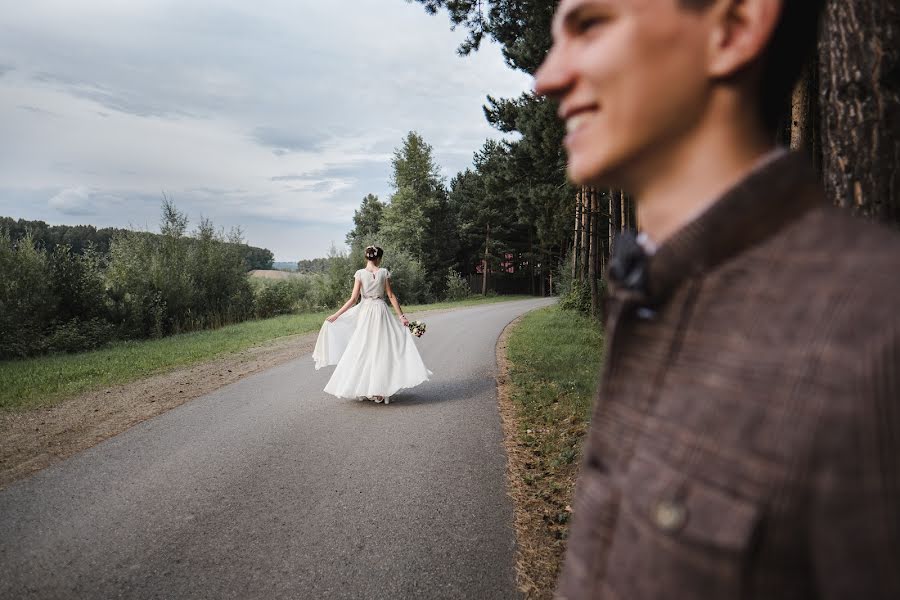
68	289
79	238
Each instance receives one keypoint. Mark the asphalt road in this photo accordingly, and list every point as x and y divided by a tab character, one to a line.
270	488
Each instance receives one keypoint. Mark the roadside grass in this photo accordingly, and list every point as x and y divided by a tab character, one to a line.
553	359
47	380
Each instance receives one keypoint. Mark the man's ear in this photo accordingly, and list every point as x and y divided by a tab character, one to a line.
741	31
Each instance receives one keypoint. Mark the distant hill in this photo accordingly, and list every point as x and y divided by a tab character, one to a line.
284	266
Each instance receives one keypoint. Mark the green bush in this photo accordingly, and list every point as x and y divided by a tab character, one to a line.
329	290
78	285
286	296
171	283
27	303
409	280
577	298
76	335
457	286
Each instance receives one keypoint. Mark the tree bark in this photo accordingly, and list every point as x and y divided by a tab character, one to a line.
859	67
585	233
576	243
484	262
615	215
595	241
801	115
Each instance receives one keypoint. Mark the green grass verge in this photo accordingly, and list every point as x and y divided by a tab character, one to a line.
46	380
554	360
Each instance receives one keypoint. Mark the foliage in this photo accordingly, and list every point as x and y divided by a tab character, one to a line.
522	28
78	335
524	180
256	258
315	265
26	300
332	288
418	221
83	238
409	279
171	283
57	300
577	298
457	287
275	298
366	220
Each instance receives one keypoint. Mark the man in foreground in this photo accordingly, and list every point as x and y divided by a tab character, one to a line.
745	442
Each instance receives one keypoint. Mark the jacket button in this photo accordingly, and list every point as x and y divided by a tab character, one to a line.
670	516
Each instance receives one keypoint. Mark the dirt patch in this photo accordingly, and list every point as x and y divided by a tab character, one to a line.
35	439
537	558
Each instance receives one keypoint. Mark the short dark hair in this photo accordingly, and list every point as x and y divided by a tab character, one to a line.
374	252
792	45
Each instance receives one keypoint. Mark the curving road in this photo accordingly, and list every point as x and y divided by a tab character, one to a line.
269	488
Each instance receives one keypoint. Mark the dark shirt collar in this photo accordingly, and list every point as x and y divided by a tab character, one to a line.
762	204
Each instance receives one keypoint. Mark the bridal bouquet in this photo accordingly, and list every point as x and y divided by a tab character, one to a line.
417	328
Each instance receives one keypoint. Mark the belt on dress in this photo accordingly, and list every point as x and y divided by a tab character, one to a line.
372	297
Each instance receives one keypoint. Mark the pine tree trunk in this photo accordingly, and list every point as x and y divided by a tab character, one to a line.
632	214
576	243
615	215
859	66
585	240
603	225
595	241
484	263
587	235
800	113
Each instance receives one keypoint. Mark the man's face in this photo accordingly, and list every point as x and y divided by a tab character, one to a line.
631	81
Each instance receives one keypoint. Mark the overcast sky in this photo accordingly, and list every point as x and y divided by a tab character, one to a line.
275	115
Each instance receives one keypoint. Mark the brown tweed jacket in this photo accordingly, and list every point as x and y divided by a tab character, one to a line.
745	441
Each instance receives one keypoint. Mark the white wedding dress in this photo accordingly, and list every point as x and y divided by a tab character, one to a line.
374	353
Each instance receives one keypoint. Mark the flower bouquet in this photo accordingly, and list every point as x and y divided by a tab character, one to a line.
417	328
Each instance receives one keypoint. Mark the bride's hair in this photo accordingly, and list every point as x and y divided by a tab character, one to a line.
374	252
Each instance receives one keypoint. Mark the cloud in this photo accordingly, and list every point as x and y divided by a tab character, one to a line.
37	110
73	201
124	101
284	141
264	114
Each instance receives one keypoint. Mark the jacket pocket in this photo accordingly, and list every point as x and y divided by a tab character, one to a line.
678	537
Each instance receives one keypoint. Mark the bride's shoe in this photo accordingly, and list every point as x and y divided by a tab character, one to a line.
387	399
378	399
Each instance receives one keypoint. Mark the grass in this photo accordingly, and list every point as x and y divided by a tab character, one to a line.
553	358
47	380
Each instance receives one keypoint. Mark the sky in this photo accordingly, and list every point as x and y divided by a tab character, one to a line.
277	116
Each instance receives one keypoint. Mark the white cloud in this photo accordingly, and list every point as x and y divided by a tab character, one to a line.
73	201
277	111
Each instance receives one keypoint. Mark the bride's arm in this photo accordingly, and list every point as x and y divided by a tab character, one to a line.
353	298
394	302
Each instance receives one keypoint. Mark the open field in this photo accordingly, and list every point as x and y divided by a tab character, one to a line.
46	380
272	274
549	367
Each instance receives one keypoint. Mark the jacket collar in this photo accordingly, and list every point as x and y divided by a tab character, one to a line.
762	204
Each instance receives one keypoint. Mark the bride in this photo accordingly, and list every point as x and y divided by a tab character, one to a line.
375	355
